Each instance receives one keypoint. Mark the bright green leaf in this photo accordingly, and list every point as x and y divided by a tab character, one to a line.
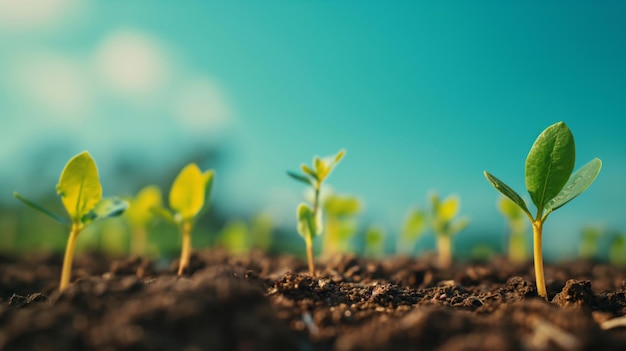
306	169
448	208
109	207
507	191
139	212
549	163
510	209
41	209
576	185
340	205
79	186
188	192
163	213
339	156
300	178
306	222
414	225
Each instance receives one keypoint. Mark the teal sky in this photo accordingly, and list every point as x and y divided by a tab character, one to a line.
423	96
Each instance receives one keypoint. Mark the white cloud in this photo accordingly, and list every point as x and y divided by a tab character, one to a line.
57	85
132	64
19	15
201	108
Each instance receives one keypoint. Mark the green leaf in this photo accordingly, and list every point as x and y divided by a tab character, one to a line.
79	186
188	192
163	213
414	225
448	208
109	207
342	205
306	223
40	209
510	209
139	212
457	226
508	192
550	163
300	178
339	156
306	169
576	185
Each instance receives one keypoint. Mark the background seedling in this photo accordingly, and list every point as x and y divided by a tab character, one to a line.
140	215
445	225
588	248
340	211
81	195
550	183
374	242
617	250
187	197
518	250
414	226
310	216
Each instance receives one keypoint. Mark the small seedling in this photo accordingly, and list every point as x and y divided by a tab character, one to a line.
550	183
140	214
340	211
187	197
81	195
514	215
310	216
414	226
588	248
445	225
374	241
617	250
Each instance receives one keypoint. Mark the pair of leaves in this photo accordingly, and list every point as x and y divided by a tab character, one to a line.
188	194
81	193
320	171
549	178
444	213
309	223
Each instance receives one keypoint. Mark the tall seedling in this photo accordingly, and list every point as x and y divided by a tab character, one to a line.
550	183
187	197
81	194
310	216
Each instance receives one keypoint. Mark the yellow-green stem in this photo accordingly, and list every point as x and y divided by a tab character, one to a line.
186	249
309	255
138	243
66	270
538	256
444	247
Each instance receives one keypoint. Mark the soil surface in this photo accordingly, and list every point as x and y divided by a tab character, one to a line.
258	302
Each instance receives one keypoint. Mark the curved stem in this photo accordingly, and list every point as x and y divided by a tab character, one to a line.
538	258
66	270
186	248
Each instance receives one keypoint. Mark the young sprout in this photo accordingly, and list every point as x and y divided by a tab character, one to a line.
140	214
588	248
81	195
445	226
187	197
617	250
550	183
340	211
412	229
310	216
374	241
517	227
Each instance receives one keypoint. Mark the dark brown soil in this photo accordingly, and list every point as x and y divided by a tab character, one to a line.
257	302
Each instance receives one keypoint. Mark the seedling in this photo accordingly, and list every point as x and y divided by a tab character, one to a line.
414	226
445	226
81	195
340	211
374	241
550	183
617	250
588	249
514	215
187	197
140	214
310	216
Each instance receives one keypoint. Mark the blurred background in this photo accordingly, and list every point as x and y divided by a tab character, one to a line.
423	96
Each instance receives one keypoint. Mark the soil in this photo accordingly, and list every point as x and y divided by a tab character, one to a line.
261	302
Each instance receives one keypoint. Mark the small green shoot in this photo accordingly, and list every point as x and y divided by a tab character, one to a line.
414	226
190	190
617	250
550	183
445	226
140	214
588	248
81	195
374	241
310	216
518	250
340	211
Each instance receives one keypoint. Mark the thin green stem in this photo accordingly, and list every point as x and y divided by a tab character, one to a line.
66	270
186	248
538	257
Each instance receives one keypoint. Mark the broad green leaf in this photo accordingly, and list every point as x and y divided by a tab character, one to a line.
300	178
40	209
448	208
507	191
79	186
188	192
576	185
510	209
550	163
306	223
109	207
306	169
139	212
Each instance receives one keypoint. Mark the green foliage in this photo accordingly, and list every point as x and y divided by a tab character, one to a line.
444	222
235	237
588	248
518	250
340	225
374	241
617	250
141	210
415	225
